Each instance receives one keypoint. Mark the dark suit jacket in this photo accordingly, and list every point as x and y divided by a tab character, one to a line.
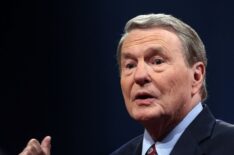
204	136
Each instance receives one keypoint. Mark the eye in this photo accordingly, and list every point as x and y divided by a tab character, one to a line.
130	65
157	61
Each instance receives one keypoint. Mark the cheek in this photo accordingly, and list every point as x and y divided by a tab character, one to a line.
175	87
125	87
126	96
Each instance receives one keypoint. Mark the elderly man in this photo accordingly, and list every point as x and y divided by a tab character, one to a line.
162	63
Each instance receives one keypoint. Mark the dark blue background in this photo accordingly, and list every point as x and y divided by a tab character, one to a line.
59	75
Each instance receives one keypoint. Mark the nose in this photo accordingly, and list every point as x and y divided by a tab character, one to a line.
141	75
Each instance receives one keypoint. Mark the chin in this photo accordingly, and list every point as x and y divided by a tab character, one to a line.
144	116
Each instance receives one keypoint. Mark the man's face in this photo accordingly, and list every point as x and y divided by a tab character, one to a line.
156	82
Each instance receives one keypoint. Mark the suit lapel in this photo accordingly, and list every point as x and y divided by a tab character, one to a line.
138	148
196	133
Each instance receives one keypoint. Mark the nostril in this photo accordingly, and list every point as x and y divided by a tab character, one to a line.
141	76
142	81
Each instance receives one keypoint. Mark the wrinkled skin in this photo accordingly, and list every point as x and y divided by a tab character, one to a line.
158	85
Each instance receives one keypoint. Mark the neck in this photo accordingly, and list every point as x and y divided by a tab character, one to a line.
159	128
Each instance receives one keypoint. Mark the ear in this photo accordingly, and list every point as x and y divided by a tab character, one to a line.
198	77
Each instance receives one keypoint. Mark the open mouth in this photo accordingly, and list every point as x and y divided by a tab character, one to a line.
144	99
143	96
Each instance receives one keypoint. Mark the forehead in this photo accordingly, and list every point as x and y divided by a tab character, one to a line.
154	36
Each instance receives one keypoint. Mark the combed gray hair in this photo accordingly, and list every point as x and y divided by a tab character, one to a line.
194	49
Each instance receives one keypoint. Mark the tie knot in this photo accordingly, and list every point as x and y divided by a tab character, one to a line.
151	150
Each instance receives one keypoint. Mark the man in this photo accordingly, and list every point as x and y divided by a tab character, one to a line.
162	63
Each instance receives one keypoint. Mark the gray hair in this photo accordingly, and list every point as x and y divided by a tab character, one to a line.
194	49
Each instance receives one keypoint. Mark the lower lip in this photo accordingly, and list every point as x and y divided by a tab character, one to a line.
144	101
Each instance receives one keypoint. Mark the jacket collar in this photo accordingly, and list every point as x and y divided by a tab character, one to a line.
199	130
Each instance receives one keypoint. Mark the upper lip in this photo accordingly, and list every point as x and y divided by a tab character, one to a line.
143	95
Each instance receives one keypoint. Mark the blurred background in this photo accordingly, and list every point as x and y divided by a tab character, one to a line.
59	75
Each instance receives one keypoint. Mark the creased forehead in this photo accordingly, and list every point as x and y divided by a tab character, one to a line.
150	36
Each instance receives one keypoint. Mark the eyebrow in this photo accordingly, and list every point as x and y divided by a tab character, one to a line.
127	56
154	50
149	52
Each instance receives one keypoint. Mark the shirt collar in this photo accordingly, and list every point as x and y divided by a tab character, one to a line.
165	146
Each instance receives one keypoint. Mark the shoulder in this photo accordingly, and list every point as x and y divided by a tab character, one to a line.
223	130
221	140
131	147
